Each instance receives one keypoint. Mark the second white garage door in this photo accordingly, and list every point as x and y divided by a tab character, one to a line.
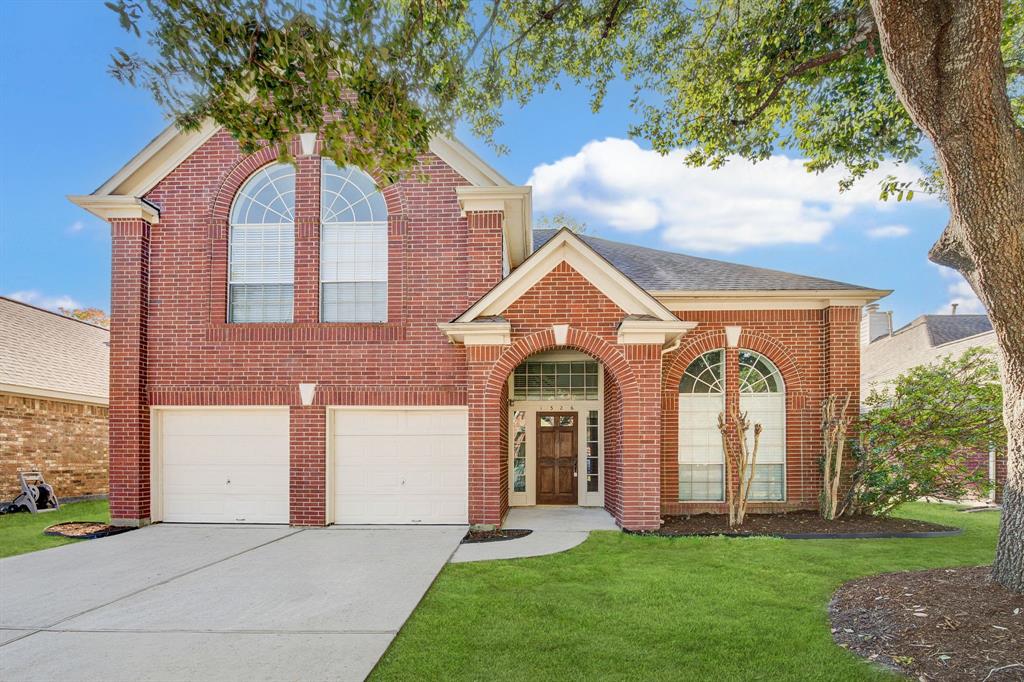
401	466
223	465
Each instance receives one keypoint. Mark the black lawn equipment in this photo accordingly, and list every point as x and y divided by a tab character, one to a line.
36	495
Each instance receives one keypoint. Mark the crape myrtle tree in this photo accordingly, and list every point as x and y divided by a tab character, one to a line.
845	83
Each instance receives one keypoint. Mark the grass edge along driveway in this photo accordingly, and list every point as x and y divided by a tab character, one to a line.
21	533
642	608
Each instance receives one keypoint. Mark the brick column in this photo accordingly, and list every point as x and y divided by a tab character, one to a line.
640	478
307	493
842	370
129	409
485	455
483	253
307	240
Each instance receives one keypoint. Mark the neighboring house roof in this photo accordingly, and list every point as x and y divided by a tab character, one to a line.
656	270
948	328
49	355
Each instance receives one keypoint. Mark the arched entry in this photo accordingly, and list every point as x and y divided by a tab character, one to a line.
625	454
556	430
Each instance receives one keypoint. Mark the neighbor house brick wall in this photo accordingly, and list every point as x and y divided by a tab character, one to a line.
66	441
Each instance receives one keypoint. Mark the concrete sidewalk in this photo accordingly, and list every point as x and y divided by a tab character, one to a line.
216	602
555	529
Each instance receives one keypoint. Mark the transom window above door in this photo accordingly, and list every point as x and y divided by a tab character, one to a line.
261	247
353	246
538	380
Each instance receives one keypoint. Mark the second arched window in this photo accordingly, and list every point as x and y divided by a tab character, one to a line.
353	246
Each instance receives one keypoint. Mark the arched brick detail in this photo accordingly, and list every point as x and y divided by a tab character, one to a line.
690	349
634	371
307	235
783	359
576	339
759	342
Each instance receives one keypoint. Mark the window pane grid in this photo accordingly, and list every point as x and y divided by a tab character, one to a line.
555	380
353	247
593	452
700	482
519	451
261	248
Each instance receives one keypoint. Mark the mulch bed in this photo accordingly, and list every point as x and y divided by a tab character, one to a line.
475	536
801	525
85	530
942	624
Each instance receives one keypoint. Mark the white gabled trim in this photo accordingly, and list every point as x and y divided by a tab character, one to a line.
516	205
767	299
111	207
567	247
156	160
465	161
478	333
652	331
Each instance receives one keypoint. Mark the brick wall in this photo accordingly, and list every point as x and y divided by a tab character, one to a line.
816	351
171	344
66	441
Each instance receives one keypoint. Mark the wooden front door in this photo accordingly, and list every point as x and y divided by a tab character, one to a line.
556	457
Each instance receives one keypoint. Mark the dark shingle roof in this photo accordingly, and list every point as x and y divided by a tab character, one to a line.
946	328
656	270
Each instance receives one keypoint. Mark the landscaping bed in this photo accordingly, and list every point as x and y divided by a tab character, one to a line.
475	536
942	624
85	530
802	525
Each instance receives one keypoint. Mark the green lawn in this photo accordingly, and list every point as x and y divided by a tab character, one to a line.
20	533
640	608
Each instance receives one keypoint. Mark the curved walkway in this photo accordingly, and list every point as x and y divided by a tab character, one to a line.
555	529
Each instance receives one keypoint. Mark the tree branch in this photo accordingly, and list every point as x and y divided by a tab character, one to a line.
865	30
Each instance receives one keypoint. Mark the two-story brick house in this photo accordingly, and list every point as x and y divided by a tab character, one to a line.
299	344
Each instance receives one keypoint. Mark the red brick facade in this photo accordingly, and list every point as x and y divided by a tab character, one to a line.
172	346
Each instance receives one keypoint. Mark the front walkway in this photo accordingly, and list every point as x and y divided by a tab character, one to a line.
555	529
186	602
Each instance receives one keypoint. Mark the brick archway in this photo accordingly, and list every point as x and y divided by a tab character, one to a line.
796	402
632	413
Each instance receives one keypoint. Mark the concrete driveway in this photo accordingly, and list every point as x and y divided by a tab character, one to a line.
183	602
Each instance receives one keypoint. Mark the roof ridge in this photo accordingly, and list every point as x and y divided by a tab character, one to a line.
54	313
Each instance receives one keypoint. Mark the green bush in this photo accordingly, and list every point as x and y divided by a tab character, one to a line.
919	432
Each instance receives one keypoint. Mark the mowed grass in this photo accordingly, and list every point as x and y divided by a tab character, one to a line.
20	533
623	607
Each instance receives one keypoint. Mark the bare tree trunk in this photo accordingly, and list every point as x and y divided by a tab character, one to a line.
944	62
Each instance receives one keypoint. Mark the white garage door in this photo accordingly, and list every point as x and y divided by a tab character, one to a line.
224	466
401	466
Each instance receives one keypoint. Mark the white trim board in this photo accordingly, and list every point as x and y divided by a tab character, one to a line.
567	247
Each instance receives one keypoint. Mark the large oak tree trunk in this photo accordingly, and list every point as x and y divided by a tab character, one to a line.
943	60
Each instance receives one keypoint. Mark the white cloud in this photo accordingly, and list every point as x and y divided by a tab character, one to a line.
960	292
888	231
616	183
38	299
75	227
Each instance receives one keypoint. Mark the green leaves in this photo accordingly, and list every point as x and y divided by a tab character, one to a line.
918	434
719	78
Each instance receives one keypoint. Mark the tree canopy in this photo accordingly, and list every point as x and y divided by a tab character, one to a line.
717	77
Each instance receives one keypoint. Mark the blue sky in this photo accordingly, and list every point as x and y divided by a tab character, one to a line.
68	126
